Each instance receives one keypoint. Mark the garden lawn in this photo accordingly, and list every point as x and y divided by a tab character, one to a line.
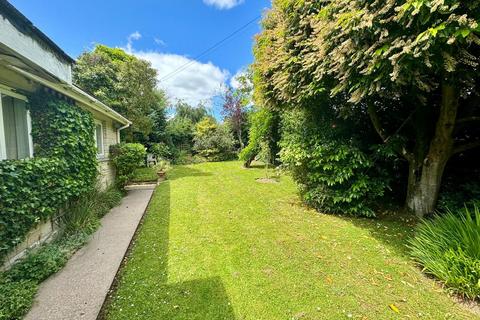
216	244
145	174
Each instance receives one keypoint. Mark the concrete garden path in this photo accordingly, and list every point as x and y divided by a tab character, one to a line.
79	290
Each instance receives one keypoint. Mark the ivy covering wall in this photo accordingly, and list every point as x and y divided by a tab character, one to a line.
64	168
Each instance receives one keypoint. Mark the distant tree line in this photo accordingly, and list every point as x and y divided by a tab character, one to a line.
172	130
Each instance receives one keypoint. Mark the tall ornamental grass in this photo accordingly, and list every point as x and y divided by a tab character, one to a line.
448	247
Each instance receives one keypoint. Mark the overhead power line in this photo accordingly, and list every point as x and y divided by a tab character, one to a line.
212	48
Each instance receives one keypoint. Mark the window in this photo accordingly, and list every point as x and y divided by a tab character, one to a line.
99	138
15	129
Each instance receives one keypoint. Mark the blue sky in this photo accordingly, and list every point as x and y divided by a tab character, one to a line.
168	33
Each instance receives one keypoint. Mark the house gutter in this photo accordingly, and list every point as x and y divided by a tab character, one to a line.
120	129
76	94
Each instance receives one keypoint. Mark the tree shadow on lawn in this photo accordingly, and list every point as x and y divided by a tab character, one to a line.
393	230
197	299
194	299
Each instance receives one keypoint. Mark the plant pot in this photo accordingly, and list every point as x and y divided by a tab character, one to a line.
162	175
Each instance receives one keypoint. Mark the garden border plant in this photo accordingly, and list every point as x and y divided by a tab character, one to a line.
447	247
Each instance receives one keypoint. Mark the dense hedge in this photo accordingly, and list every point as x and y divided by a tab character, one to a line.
332	173
64	167
127	157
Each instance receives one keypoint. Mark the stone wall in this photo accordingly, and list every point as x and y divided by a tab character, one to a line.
44	232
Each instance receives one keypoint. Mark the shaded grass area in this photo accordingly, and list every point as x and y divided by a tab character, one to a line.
216	244
145	174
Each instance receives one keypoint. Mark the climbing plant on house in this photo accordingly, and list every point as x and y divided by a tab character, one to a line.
64	168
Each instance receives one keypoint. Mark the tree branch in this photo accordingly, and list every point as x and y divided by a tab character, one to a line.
372	112
466	147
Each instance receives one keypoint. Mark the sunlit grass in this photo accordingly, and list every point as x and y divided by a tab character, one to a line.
216	244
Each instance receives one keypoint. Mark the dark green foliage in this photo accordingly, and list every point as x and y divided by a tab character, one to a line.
333	174
16	298
107	200
180	131
216	145
39	265
454	195
62	130
64	167
118	78
448	248
264	128
127	157
161	150
411	66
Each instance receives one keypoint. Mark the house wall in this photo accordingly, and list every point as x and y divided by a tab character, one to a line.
110	137
44	232
33	51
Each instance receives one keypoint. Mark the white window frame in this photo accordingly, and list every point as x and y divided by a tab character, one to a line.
102	153
6	91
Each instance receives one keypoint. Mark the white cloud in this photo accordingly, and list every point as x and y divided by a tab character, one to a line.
199	82
223	4
193	82
160	42
234	83
132	37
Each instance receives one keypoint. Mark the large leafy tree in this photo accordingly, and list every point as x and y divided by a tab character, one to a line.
411	66
235	107
124	82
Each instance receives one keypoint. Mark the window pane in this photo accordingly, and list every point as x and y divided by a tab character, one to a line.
21	129
99	138
9	127
16	128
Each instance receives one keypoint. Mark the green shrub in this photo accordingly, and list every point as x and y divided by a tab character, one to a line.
215	145
16	298
332	173
447	247
107	200
39	264
64	167
127	157
161	150
183	156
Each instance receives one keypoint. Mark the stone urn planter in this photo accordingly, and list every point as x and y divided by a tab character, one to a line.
162	175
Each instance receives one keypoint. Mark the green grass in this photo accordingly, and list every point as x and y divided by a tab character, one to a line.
216	244
145	174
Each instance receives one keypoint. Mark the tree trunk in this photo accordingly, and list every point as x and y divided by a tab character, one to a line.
240	140
426	171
